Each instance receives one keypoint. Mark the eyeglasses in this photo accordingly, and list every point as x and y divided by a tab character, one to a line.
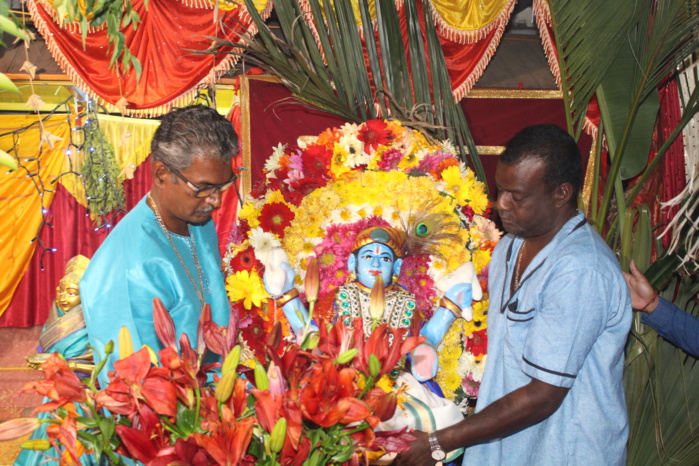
207	190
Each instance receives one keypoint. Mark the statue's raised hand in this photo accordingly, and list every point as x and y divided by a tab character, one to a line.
279	275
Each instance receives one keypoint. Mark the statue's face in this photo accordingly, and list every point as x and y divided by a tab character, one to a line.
373	260
67	295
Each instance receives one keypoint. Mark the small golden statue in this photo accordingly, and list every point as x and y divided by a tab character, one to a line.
64	331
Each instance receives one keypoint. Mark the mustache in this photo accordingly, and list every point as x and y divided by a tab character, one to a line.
205	210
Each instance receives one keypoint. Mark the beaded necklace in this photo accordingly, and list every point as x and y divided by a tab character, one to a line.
518	265
199	289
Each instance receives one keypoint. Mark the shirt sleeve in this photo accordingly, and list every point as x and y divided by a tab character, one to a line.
575	306
675	325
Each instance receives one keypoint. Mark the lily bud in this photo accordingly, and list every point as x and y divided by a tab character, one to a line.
374	365
261	380
19	427
312	282
278	435
311	341
232	360
109	348
36	444
125	343
164	326
378	300
152	355
225	386
347	356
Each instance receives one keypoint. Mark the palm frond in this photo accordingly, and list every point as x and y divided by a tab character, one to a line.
321	59
588	36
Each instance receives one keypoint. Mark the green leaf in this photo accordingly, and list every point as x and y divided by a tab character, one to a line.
6	84
10	27
7	160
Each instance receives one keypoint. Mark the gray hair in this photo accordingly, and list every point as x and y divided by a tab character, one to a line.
185	133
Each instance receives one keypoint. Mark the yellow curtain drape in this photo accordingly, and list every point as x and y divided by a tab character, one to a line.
130	139
23	193
468	15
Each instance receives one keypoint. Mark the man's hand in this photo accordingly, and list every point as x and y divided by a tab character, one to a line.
419	453
643	296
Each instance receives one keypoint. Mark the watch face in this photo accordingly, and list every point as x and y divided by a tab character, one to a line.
438	455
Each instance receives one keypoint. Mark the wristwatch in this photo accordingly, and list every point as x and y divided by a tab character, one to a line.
437	451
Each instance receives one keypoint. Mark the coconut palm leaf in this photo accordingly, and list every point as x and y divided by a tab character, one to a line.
664	414
320	58
588	37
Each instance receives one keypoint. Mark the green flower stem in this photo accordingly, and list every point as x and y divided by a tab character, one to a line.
359	428
370	382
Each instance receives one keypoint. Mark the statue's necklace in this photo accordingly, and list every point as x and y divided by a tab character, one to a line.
518	266
199	289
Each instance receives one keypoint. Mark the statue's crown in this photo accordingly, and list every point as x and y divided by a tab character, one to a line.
391	237
77	265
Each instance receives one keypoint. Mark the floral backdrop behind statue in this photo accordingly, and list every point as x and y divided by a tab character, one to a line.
318	195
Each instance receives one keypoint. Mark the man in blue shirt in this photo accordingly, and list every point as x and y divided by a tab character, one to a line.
558	320
166	247
672	323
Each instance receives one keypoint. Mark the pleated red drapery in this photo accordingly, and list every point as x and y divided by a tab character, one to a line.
166	42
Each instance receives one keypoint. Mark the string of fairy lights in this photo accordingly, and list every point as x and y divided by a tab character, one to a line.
99	171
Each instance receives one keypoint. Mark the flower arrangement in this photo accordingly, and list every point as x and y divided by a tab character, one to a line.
316	197
311	404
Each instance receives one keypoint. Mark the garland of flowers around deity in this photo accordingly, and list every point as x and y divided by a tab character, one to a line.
318	196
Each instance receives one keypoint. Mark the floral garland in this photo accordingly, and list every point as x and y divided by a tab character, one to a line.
318	196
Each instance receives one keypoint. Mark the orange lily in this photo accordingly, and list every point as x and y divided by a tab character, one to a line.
327	395
384	342
228	439
61	385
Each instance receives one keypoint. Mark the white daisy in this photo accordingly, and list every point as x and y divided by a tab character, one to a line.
272	162
263	242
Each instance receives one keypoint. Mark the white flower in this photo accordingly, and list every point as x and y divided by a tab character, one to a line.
272	162
355	150
448	146
469	364
262	243
348	214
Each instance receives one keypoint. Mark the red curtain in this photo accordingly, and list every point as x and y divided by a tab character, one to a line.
166	43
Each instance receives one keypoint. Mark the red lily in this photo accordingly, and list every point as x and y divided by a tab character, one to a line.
384	342
61	385
382	404
228	438
335	342
327	395
136	379
269	408
147	441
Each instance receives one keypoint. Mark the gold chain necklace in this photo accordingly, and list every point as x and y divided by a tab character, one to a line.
199	289
519	264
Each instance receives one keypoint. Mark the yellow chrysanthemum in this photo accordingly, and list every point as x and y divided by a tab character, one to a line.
246	286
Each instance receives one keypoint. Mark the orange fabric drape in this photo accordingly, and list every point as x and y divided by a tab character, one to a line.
26	191
166	44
